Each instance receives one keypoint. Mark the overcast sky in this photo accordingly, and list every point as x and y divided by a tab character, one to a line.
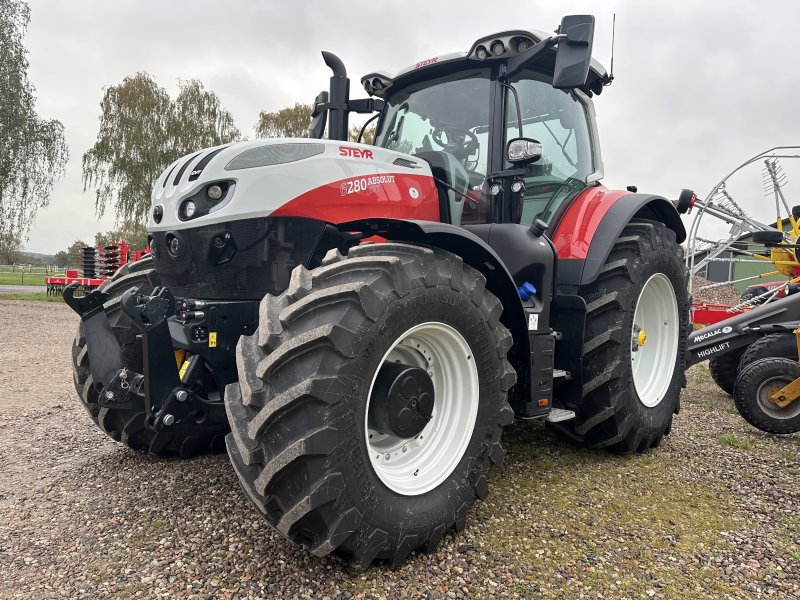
700	86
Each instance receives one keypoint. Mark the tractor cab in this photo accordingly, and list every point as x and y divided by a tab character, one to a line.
452	122
470	114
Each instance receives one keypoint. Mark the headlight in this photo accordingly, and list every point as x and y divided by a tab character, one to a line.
497	48
214	192
189	209
208	199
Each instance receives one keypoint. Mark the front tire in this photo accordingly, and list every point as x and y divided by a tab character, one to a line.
637	321
311	454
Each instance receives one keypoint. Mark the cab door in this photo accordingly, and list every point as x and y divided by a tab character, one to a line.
560	121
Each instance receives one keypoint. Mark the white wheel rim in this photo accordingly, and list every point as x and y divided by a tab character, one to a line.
653	363
414	466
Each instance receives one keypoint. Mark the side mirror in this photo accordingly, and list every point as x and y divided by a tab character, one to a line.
521	151
574	51
319	116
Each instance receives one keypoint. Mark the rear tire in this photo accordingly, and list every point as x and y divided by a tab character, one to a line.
302	427
618	410
752	390
123	425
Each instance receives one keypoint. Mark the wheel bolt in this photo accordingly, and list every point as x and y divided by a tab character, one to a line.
405	448
387	456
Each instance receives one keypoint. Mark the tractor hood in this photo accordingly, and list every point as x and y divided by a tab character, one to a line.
323	179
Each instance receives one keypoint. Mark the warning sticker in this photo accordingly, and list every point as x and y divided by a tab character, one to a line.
533	322
212	339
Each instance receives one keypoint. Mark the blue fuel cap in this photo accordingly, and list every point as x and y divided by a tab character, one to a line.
526	291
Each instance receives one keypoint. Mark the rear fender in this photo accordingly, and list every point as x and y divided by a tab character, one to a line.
592	224
480	256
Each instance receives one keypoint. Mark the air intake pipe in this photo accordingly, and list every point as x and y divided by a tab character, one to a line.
339	98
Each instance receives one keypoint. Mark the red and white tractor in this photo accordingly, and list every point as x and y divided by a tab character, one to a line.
366	319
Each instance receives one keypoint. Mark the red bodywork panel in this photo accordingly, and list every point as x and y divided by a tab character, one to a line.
708	314
386	195
575	231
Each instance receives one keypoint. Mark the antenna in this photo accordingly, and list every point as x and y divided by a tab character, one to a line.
613	32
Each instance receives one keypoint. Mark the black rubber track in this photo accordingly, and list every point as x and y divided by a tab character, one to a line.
609	414
745	394
724	369
127	426
297	414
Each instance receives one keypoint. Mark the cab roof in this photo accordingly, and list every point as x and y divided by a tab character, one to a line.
486	50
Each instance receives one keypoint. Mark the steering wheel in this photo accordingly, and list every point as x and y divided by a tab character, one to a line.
459	143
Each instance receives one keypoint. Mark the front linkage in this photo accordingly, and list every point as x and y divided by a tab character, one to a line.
171	405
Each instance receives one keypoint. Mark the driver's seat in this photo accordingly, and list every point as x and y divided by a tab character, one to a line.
452	183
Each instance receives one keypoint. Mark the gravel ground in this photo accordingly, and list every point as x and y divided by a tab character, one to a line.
722	294
713	513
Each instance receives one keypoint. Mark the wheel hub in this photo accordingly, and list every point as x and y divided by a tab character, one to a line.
421	408
404	397
638	338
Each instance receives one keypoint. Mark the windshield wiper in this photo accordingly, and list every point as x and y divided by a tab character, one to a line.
560	145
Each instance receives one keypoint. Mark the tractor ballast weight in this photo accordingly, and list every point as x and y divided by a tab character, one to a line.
371	317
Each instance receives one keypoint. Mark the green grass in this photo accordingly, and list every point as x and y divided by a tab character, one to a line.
17	278
588	511
36	296
790	540
730	439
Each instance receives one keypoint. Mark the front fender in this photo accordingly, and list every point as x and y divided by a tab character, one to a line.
594	221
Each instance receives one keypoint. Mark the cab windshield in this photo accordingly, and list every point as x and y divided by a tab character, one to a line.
449	114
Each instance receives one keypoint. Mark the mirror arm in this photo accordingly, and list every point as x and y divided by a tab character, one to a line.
515	63
516	101
366	105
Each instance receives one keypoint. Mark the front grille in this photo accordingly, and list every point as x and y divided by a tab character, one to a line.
404	162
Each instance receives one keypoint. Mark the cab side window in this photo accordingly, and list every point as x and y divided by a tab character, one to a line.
557	119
